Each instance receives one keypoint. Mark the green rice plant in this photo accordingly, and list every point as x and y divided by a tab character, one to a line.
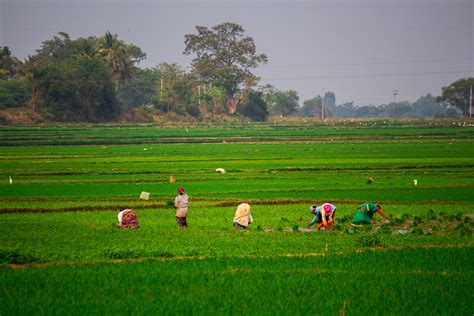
370	240
16	257
455	217
430	215
463	230
59	217
417	231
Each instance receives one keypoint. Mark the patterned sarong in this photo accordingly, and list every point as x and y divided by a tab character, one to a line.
129	220
181	221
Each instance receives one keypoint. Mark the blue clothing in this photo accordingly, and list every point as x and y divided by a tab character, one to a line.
318	217
241	226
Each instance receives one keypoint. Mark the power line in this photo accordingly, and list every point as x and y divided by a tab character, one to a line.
155	80
369	76
376	63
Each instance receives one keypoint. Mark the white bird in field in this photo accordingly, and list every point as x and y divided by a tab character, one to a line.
11	181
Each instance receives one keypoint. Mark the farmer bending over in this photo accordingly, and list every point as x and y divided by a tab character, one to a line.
365	214
127	219
243	218
181	204
323	215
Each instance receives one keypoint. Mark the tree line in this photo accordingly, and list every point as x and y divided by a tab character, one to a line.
98	79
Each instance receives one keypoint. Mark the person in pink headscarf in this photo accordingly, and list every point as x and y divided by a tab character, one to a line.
323	215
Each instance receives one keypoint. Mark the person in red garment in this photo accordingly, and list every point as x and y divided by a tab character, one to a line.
127	219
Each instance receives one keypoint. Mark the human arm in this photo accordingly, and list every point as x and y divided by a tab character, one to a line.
332	221
379	210
323	215
315	218
176	202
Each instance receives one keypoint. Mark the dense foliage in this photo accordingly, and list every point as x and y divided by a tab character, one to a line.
71	80
225	57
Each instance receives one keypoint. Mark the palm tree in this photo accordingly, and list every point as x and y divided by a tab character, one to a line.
118	58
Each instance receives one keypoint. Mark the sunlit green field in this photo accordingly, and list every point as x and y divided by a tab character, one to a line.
61	253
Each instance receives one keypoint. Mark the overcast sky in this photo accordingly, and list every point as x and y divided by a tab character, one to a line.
362	50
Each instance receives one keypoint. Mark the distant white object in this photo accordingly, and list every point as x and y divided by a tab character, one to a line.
415	182
145	196
187	130
11	181
221	170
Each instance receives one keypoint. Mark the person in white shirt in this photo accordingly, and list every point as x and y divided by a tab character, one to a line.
181	203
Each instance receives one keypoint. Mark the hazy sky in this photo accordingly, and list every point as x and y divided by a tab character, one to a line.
361	50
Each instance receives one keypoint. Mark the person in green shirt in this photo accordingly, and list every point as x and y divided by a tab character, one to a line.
365	214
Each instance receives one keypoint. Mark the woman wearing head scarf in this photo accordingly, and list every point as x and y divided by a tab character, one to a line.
323	215
181	204
243	218
365	214
127	219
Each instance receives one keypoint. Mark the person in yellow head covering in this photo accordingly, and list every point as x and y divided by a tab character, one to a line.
242	218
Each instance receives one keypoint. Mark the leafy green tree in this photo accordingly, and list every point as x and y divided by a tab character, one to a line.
36	67
8	64
256	108
85	46
142	89
367	111
402	109
215	96
343	110
426	106
225	58
283	103
329	99
59	48
77	89
13	93
171	77
312	107
457	94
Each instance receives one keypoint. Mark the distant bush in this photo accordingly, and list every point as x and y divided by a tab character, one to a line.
13	93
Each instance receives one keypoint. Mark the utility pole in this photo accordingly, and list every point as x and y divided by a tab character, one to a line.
161	90
395	92
470	102
322	104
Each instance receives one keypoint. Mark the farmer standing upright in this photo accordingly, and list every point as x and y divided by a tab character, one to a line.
181	203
